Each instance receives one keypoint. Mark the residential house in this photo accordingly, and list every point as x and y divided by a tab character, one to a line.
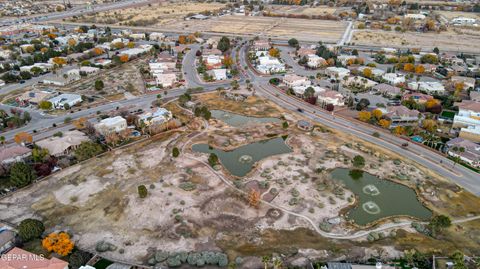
330	97
137	51
337	72
64	99
155	36
468	119
10	260
393	78
102	62
430	87
13	154
270	65
155	117
213	61
475	96
7	240
376	73
305	52
219	74
300	90
165	79
463	21
359	82
401	116
89	70
344	59
213	51
468	82
137	36
387	90
418	97
465	150
45	67
111	125
261	45
64	145
292	80
315	61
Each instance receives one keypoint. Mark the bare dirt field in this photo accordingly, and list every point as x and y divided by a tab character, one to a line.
191	206
448	41
453	14
302	10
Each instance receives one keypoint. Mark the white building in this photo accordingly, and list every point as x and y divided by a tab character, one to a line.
300	90
292	80
315	61
137	51
468	119
165	79
219	74
337	72
89	70
345	58
155	36
44	66
270	65
111	125
2	83
394	78
137	36
415	16
65	99
463	21
330	97
430	87
158	116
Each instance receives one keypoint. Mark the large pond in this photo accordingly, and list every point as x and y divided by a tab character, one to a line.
241	160
237	120
379	198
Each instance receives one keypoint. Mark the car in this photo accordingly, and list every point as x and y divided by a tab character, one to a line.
22	81
300	110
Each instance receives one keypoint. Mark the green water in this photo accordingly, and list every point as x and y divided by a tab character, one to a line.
237	120
241	160
380	198
102	264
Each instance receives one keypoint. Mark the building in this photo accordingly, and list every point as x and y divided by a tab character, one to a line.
337	72
213	61
475	96
359	82
292	80
430	87
65	99
300	90
401	116
387	90
261	45
7	239
338	265
464	149
219	74
393	78
155	36
419	17
468	119
155	117
418	97
315	61
270	65
376	72
345	59
111	125
330	97
45	67
165	80
10	260
463	21
13	154
468	82
64	145
305	52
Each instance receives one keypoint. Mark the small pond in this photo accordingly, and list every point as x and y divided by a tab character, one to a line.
241	160
237	120
379	198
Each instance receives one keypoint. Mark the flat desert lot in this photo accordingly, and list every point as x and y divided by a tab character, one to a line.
449	41
302	10
454	14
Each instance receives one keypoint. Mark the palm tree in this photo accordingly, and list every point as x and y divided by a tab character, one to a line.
277	263
2	140
266	261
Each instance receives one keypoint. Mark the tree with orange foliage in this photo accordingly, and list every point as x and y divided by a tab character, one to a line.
23	137
364	116
384	123
392	20
254	198
399	130
72	42
44	49
52	36
367	72
377	113
429	125
274	52
80	123
131	45
98	51
59	61
419	69
331	61
459	86
350	61
430	25
59	243
408	67
182	39
123	58
227	61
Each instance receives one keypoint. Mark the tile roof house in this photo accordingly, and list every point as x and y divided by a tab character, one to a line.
261	45
301	52
417	97
7	239
387	89
292	80
468	82
466	150
61	146
401	116
109	125
18	258
330	97
315	61
13	154
468	119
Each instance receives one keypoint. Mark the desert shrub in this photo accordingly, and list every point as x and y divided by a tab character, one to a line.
142	191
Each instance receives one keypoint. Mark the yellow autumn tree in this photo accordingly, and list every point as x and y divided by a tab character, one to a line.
364	116
274	52
377	113
419	69
384	123
59	243
59	61
367	72
124	58
72	42
408	67
131	45
399	130
253	198
23	137
80	123
429	125
98	51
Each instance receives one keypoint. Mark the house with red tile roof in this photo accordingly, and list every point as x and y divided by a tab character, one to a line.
18	258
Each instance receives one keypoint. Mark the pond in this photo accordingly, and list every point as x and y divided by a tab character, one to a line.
379	198
241	160
237	120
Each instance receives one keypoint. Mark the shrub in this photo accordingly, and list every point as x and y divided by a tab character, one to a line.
29	229
358	161
142	191
187	186
175	152
213	159
21	174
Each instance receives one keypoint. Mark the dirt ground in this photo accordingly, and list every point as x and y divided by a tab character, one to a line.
302	10
453	14
449	40
98	200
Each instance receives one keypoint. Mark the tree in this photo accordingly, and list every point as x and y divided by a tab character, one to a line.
39	154
254	198
59	243
364	116
367	72
399	130
29	229
213	159
72	42
223	44
98	51
175	152
22	137
438	223
419	69
436	50
123	58
227	61
408	67
78	258
80	123
358	161
142	191
99	84
45	105
292	42
274	52
429	125
59	61
355	52
87	150
459	260
309	93
330	107
131	45
21	174
285	125
362	104
384	123
377	113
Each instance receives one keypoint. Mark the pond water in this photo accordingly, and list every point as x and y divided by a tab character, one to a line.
237	120
379	198
241	160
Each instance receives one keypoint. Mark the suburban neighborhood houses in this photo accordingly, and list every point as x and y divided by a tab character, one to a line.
141	134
